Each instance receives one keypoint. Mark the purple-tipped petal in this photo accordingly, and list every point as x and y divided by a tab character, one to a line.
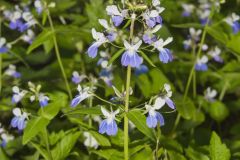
218	59
158	19
142	69
151	121
43	103
13	25
117	20
112	128
103	127
236	27
111	36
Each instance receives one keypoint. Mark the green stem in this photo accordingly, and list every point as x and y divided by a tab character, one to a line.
126	111
127	94
47	144
58	55
0	60
223	91
193	67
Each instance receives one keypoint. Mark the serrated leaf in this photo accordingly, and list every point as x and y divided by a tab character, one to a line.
139	120
218	150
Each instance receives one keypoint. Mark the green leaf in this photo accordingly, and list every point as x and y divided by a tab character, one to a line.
218	150
40	39
109	154
144	84
115	56
218	111
34	126
233	43
81	110
137	118
195	155
175	156
41	150
217	33
147	59
63	148
48	45
185	108
144	154
37	124
102	140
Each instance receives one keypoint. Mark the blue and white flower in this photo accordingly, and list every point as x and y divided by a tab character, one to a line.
195	34
233	21
28	36
76	78
203	15
188	9
117	16
99	40
6	138
14	18
210	94
165	54
154	117
3	45
29	19
11	71
152	17
90	141
130	56
111	31
109	125
215	54
149	37
83	94
201	64
19	120
39	6
165	99
17	94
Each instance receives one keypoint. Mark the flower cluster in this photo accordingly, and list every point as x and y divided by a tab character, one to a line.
34	92
151	24
233	21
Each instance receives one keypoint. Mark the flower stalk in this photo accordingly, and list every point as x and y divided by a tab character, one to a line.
58	55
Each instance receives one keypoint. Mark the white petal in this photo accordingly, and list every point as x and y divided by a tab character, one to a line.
116	112
136	46
113	10
155	3
156	28
159	103
126	44
104	23
79	88
204	59
15	89
168	40
94	33
154	13
167	87
105	112
17	112
117	92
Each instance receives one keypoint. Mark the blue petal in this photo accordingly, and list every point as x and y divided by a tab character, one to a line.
43	103
103	127
218	59
14	122
160	119
4	143
201	67
132	59
21	123
13	25
236	27
92	50
112	128
3	49
151	22
142	69
165	55
151	121
117	20
170	103
111	36
158	19
76	101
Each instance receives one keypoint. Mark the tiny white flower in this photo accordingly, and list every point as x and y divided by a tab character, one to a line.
90	141
210	94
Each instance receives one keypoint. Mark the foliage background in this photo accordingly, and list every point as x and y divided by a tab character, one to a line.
193	138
